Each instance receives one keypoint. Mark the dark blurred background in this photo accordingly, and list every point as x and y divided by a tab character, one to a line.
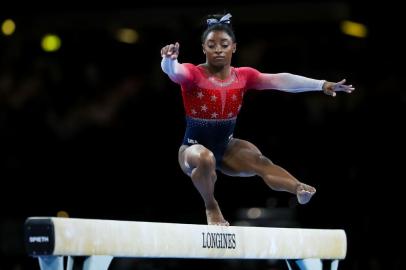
90	126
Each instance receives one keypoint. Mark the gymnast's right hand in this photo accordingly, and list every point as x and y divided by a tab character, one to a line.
171	50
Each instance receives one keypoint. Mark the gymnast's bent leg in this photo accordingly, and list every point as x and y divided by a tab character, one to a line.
200	164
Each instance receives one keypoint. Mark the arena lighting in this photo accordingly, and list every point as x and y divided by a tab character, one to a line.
354	29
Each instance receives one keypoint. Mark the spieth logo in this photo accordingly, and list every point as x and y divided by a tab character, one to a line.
191	141
38	239
218	240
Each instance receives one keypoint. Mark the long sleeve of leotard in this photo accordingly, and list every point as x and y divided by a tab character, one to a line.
282	81
178	73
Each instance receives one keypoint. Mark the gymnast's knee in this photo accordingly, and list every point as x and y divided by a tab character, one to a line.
263	160
207	159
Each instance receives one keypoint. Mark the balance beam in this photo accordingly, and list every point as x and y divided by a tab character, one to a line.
50	236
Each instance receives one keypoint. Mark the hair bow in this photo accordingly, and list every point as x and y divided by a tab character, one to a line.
225	19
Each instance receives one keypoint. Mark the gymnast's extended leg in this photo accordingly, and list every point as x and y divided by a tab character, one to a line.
242	158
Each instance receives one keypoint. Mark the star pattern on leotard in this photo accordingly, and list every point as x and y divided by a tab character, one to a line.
208	97
213	103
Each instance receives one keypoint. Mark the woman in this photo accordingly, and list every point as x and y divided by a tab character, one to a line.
212	96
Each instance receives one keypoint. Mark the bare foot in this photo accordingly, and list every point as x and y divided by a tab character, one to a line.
304	193
215	217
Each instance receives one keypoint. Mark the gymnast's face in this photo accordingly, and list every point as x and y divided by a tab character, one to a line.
218	48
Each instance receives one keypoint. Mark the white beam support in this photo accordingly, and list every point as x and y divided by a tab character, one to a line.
110	238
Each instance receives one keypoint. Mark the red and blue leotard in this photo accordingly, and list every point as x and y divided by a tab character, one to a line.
212	105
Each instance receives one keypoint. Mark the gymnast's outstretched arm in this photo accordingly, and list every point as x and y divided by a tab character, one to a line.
170	65
295	83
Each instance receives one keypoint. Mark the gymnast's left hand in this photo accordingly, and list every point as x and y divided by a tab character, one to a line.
330	88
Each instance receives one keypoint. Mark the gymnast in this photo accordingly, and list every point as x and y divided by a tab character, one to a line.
212	96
